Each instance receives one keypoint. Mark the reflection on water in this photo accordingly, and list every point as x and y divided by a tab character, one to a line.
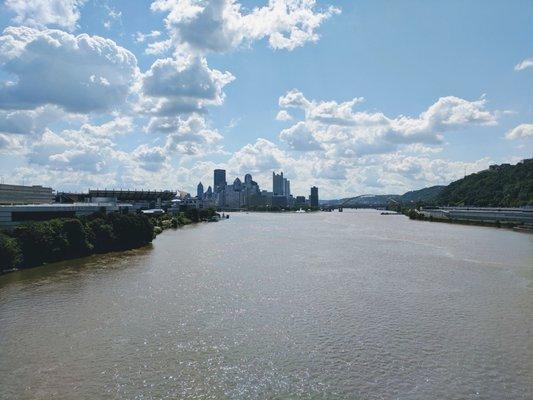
326	305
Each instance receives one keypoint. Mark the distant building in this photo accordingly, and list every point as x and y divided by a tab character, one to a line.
200	191
18	194
279	201
139	199
287	187
209	193
313	198
11	216
278	184
299	201
219	180
233	195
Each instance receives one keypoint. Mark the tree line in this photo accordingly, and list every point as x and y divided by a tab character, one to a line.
37	243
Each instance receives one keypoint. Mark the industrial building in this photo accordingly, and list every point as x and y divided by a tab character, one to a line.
520	215
19	194
13	215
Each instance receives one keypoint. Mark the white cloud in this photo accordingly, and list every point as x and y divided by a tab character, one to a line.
522	65
64	151
90	148
342	132
141	37
522	131
41	13
9	144
78	73
220	26
283	115
191	136
113	16
186	85
31	122
260	156
150	158
115	127
300	137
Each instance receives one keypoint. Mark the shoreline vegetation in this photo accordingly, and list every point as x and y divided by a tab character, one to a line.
38	243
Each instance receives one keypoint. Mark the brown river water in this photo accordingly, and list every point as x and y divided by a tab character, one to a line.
351	305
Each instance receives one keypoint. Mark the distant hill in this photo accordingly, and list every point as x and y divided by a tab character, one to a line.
502	185
426	195
371	200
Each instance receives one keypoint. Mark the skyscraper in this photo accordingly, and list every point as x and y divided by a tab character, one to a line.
313	198
200	191
219	180
278	184
287	187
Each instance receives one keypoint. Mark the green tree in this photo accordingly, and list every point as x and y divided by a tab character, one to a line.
10	254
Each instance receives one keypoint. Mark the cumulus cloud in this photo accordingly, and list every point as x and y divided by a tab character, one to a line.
261	156
394	172
9	144
141	37
77	73
186	85
524	64
342	132
31	122
219	25
89	149
41	13
150	158
64	151
283	115
115	127
522	131
192	136
300	137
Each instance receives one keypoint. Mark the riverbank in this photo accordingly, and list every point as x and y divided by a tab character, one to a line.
415	215
39	243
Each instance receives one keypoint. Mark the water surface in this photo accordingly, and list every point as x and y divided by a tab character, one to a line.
349	305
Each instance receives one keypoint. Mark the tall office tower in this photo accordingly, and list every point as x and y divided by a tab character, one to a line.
287	188
219	180
209	192
200	191
278	185
313	198
247	179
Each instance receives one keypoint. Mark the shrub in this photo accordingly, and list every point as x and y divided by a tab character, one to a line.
10	254
130	230
33	244
101	235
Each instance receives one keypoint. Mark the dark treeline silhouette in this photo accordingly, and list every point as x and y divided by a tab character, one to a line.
37	243
503	186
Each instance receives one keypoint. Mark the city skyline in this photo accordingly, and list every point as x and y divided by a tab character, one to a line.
248	194
135	95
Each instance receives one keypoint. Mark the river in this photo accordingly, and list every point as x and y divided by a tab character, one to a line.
351	305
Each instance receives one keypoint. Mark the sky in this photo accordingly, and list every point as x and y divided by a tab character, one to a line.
355	97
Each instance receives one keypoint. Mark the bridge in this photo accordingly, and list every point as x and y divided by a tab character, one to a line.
363	201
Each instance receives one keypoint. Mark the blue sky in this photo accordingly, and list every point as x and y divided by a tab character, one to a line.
352	96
